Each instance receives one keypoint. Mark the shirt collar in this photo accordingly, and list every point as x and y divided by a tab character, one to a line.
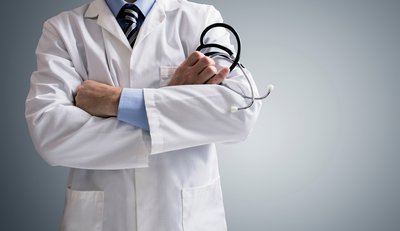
144	6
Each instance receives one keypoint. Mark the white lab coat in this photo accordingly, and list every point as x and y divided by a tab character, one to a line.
123	178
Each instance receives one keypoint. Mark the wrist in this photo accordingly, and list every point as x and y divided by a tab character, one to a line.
116	95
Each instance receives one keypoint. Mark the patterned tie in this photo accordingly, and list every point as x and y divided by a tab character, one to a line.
130	18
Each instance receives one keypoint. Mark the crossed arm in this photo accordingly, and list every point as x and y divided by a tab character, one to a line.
102	100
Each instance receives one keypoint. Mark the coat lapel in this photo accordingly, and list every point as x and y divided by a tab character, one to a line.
105	19
153	19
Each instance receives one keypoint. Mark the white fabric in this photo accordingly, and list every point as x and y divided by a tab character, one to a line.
165	179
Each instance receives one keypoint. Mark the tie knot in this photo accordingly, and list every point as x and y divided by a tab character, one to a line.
130	18
130	12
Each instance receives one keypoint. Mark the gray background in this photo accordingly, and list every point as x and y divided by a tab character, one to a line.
325	152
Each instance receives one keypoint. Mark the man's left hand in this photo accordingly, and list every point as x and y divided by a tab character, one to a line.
98	99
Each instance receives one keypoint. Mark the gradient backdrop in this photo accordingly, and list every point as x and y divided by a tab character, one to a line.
325	152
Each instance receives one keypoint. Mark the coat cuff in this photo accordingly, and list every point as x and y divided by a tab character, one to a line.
153	116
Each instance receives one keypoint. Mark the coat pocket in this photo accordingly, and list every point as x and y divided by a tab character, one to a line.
83	211
166	73
203	208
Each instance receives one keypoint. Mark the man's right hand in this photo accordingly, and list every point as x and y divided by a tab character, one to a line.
198	69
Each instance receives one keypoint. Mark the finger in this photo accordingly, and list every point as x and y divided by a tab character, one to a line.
77	98
207	73
202	64
193	58
88	82
93	84
79	88
220	77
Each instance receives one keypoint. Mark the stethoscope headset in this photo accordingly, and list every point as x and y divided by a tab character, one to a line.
229	55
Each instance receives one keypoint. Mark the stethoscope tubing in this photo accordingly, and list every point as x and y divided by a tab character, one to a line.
235	62
204	45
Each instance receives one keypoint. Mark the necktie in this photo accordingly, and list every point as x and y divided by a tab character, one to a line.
130	18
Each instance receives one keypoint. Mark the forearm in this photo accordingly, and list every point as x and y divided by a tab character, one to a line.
65	135
192	115
77	140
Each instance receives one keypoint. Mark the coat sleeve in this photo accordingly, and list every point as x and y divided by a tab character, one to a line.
191	115
65	135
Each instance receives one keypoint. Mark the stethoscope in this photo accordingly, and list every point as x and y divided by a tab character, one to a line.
230	56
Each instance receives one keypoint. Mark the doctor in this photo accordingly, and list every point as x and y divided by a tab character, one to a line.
135	114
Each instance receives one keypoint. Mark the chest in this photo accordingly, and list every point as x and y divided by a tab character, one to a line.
103	56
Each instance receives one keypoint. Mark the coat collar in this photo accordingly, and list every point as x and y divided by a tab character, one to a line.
99	10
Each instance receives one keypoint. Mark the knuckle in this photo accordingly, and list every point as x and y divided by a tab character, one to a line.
211	69
207	61
197	55
88	82
210	61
